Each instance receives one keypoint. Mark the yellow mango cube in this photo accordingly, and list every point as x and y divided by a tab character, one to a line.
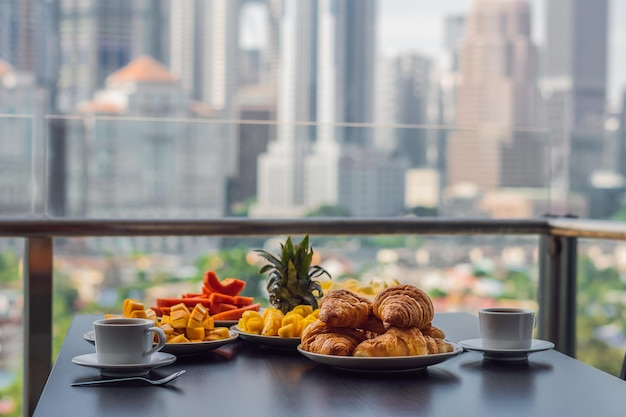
179	339
195	334
208	323
131	305
138	314
179	307
167	328
179	318
217	334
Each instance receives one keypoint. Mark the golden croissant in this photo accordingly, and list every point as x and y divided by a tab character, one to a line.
343	308
394	342
433	331
404	306
319	337
402	342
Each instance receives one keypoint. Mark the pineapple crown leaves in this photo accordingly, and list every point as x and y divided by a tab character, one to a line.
292	275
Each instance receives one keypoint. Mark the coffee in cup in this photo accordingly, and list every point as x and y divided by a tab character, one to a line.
506	328
125	341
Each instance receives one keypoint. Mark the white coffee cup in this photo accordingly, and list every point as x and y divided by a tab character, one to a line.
126	341
506	328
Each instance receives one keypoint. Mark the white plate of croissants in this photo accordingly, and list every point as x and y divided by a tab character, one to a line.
392	333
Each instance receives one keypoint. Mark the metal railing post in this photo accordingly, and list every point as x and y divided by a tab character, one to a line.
557	292
38	268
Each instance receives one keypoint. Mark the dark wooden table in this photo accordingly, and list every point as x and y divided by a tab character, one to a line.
243	379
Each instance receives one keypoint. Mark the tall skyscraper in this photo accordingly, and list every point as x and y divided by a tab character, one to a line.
574	86
325	76
496	98
204	50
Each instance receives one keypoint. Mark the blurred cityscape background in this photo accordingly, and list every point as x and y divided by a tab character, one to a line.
294	108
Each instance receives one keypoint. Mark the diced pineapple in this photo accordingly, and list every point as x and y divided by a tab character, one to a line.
112	316
288	330
303	310
267	311
165	318
295	320
272	323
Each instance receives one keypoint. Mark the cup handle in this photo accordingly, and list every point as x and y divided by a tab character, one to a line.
161	336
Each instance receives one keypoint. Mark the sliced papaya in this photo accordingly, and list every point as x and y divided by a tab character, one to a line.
189	302
217	298
236	313
241	300
221	307
229	286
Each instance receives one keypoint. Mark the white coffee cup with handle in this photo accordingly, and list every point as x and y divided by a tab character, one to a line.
506	328
126	341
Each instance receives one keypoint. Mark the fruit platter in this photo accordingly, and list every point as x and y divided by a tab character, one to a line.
194	323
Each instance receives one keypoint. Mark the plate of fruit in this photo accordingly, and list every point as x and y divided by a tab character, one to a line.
293	295
273	328
188	332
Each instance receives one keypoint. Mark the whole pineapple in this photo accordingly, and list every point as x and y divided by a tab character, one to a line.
291	277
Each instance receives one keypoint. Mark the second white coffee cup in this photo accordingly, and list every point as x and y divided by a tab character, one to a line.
126	341
506	328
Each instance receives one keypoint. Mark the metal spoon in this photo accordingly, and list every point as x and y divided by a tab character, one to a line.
133	378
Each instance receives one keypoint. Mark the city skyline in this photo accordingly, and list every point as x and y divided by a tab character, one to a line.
399	34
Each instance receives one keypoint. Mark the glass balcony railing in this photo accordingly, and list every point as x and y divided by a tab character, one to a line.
94	209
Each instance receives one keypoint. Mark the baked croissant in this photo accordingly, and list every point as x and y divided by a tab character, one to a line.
436	345
404	306
343	308
319	337
394	342
373	327
433	331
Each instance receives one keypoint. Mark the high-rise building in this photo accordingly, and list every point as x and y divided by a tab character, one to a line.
17	96
204	50
574	87
496	99
325	77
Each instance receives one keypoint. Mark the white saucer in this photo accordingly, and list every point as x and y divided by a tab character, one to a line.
156	360
506	354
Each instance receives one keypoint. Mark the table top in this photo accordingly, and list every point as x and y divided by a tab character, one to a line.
244	379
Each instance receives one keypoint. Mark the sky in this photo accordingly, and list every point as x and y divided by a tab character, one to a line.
412	25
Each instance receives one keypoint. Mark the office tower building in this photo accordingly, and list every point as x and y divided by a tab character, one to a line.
574	86
325	76
17	96
496	99
204	50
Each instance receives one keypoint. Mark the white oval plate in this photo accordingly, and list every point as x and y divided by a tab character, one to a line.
388	364
273	341
182	349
